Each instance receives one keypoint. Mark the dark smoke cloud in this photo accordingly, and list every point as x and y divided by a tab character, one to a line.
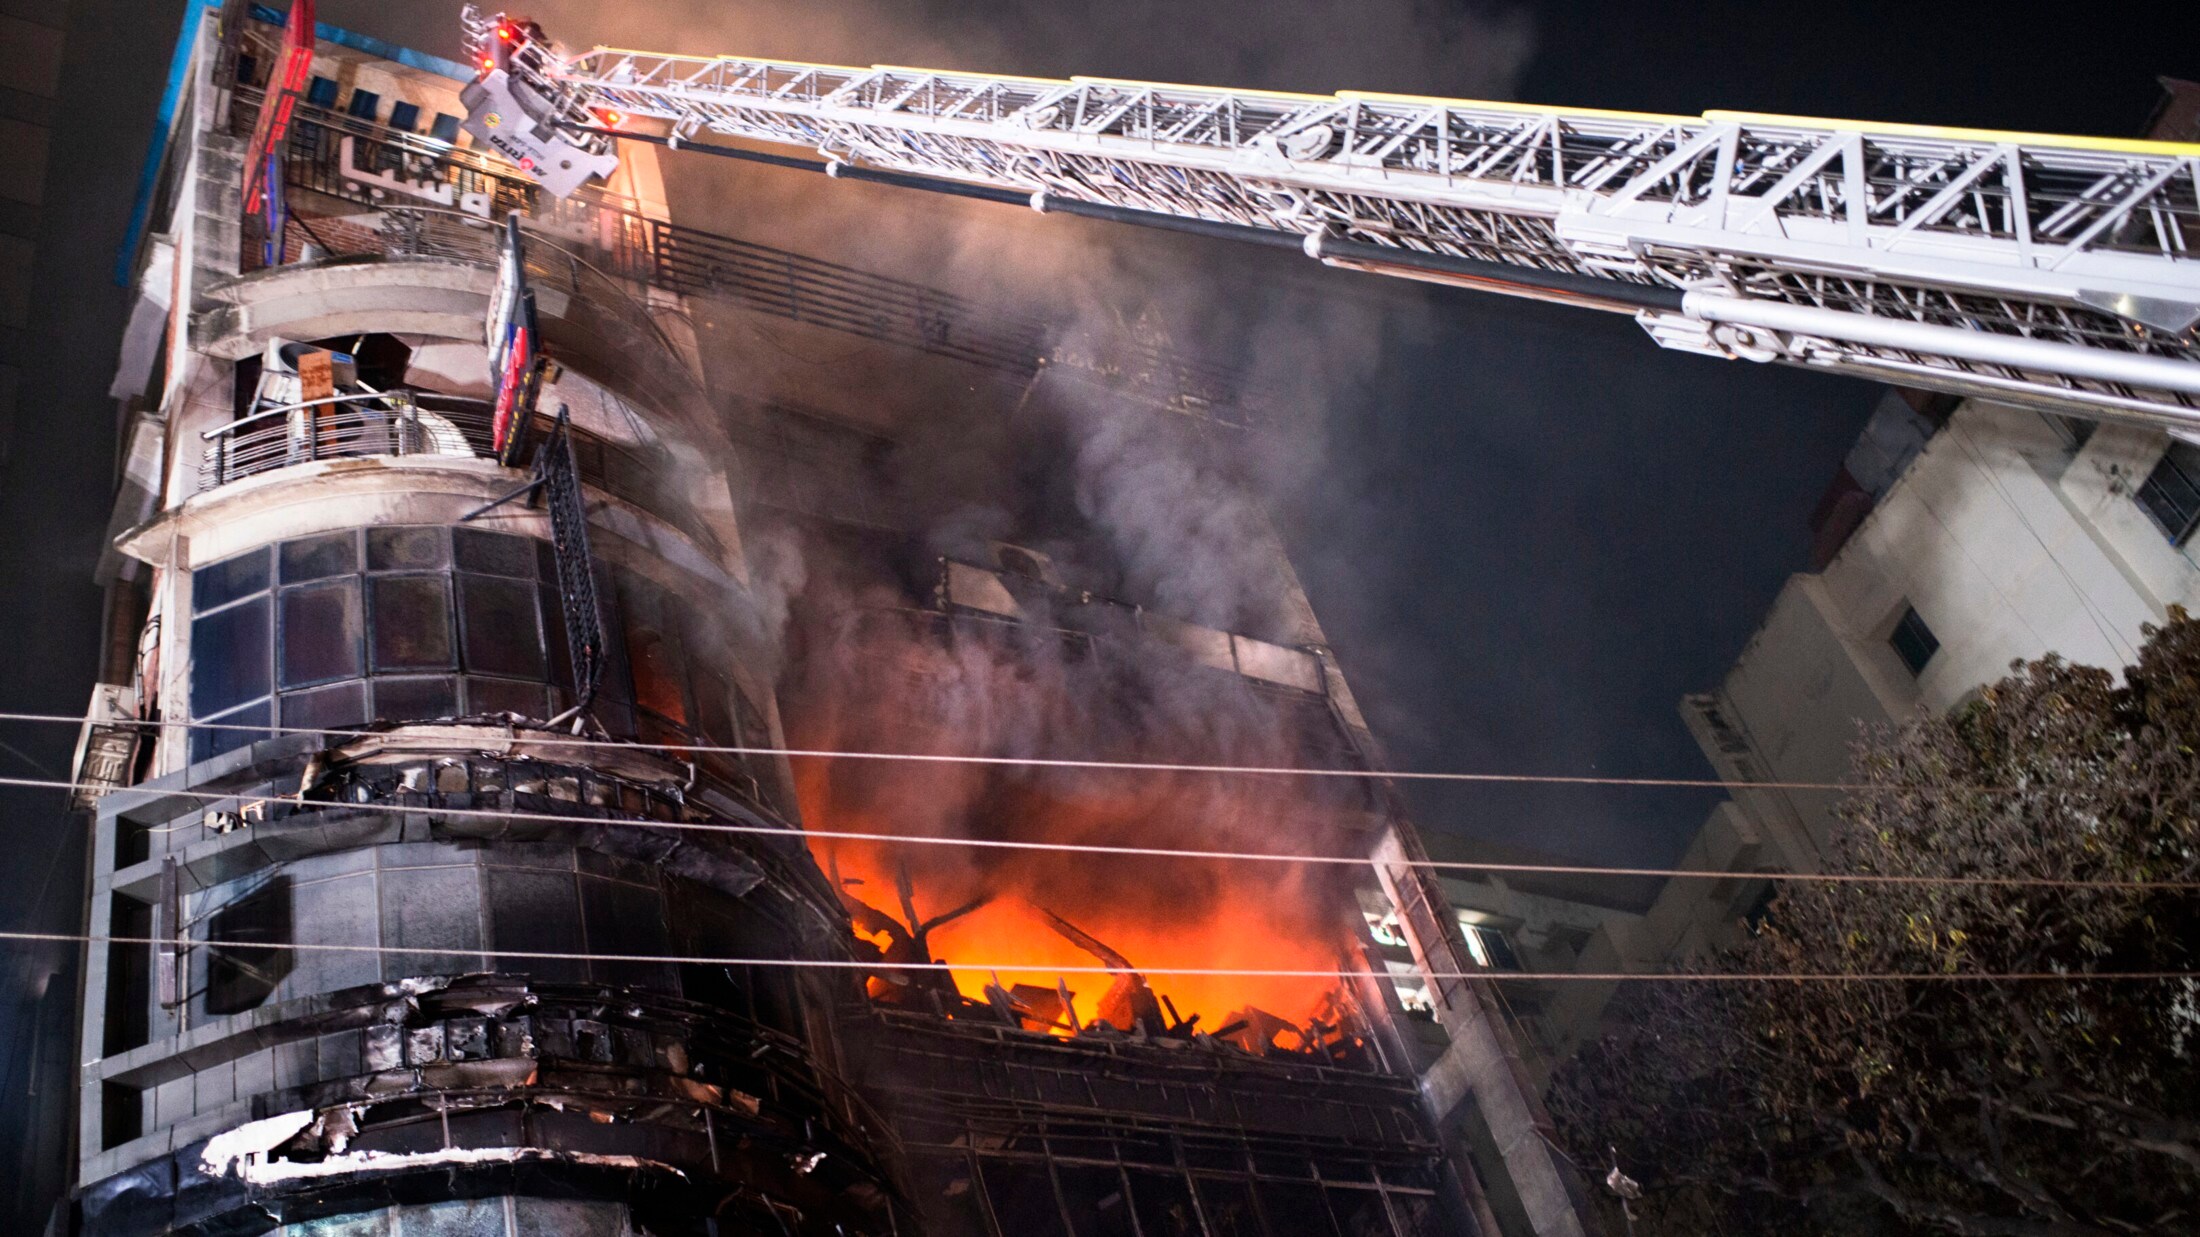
1176	519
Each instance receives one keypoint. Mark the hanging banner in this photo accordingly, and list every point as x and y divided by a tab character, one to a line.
286	87
515	355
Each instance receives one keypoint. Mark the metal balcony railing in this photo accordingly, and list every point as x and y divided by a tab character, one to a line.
357	160
397	423
426	423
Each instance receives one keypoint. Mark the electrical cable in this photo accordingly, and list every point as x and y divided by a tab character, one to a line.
858	964
1148	852
547	739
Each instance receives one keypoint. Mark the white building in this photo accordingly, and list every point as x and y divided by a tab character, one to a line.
1959	537
1999	536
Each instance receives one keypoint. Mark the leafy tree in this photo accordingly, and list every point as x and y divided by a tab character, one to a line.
1951	1105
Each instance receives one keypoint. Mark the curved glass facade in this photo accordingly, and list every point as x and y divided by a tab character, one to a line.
420	622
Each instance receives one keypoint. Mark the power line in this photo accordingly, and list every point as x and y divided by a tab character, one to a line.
1217	972
1153	852
547	739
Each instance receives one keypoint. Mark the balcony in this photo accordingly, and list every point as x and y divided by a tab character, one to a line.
398	423
413	424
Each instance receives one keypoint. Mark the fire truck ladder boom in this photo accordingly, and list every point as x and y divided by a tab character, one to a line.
2054	272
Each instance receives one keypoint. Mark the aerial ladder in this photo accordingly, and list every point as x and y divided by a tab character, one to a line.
2059	273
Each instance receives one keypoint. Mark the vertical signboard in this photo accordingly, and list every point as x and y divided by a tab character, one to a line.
515	354
286	86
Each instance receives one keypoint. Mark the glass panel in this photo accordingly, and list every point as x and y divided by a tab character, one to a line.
234	730
1913	641
405	548
505	696
494	553
412	622
433	909
321	633
319	557
338	705
445	128
397	700
538	912
499	627
626	919
405	116
229	657
228	580
2171	493
567	1217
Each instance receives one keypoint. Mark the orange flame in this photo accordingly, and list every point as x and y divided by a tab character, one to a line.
1160	913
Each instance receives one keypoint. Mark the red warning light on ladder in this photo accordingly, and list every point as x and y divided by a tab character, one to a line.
505	33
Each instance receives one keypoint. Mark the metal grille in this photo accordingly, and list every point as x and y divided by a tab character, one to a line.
568	506
328	152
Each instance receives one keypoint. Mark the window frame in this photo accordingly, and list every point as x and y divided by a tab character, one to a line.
2180	461
469	688
1911	632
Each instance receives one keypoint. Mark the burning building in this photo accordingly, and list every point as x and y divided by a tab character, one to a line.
478	847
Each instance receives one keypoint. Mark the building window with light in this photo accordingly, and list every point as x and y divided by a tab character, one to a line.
1913	641
1489	948
2171	493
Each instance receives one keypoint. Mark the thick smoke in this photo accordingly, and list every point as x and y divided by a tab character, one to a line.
1144	506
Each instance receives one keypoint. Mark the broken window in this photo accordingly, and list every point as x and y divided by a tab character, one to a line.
244	962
